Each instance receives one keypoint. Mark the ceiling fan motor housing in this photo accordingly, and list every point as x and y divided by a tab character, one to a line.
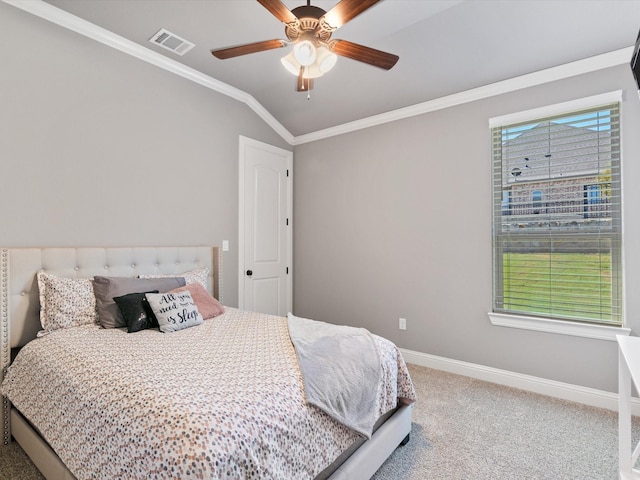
307	25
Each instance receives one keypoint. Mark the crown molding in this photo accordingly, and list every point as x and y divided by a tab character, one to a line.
64	19
579	67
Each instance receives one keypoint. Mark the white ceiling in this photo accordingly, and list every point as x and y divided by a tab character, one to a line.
445	47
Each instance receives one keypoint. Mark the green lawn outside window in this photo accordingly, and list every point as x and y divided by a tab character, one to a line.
561	285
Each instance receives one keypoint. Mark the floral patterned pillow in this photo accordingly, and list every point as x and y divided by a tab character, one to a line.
200	275
65	302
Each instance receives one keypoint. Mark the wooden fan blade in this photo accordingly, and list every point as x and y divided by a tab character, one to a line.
344	11
279	10
303	84
224	53
364	54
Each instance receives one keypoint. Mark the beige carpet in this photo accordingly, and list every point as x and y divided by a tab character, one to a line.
15	465
468	429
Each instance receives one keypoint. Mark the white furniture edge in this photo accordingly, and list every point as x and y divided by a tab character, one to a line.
565	391
90	30
628	374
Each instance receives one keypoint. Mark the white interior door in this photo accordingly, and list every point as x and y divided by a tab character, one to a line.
265	236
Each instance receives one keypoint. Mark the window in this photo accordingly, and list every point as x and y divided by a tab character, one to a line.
536	200
556	214
592	198
506	202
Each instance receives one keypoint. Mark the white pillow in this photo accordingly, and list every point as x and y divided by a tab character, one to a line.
65	302
200	275
174	310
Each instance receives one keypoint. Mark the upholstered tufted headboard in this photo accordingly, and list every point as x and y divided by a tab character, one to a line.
19	296
19	302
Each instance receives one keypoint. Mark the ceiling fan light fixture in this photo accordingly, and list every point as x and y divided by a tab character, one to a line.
304	84
325	60
309	29
305	52
291	64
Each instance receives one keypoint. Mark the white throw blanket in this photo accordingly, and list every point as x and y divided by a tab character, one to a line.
340	369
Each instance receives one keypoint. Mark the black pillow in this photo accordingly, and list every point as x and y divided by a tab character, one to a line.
136	311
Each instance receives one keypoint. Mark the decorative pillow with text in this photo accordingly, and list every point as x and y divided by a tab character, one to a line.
174	310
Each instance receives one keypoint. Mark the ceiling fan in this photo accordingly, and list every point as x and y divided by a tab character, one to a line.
309	29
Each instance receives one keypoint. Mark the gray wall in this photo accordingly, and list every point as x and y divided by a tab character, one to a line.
395	221
99	148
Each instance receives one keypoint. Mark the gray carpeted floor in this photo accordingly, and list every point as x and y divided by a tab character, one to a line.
469	429
15	465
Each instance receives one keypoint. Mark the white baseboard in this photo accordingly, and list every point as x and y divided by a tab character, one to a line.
565	391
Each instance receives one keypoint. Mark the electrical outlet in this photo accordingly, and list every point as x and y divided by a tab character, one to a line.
402	323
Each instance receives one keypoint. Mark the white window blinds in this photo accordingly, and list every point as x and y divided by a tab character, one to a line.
557	220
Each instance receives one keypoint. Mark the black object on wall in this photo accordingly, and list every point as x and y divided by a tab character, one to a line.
635	63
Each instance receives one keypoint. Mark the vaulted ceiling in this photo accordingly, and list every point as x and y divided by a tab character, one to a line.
445	47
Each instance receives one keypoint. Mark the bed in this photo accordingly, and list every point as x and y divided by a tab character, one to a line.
178	440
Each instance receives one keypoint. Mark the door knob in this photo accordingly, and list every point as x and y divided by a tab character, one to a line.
249	273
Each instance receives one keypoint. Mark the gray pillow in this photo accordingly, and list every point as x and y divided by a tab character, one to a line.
105	288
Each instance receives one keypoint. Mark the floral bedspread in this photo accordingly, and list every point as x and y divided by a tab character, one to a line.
220	400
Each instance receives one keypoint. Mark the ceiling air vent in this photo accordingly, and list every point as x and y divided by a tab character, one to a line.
171	42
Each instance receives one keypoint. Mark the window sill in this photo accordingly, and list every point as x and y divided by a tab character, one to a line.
600	332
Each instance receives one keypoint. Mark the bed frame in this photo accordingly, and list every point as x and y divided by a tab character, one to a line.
20	321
